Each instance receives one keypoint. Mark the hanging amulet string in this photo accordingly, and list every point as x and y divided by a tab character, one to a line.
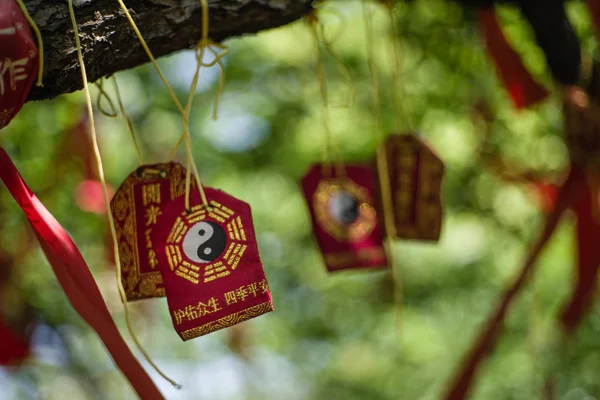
341	198
105	194
206	251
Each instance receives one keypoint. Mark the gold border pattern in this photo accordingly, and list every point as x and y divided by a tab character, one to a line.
228	321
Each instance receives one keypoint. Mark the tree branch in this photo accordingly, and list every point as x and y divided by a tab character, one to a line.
110	45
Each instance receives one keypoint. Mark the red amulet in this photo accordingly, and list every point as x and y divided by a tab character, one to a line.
18	65
345	218
415	176
136	208
210	264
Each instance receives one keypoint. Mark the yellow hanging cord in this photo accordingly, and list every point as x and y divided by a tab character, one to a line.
206	43
188	140
103	95
128	121
330	155
382	164
401	108
39	40
88	98
184	115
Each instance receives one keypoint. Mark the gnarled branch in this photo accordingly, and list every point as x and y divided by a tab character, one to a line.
110	45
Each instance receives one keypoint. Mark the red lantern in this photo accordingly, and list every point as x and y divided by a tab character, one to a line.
18	66
345	217
415	176
209	260
136	209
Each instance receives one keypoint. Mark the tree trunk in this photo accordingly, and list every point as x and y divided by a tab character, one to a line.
110	45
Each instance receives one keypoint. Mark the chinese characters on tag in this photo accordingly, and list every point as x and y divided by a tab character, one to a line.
415	177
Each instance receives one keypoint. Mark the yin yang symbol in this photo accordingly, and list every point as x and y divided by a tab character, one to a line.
204	242
344	208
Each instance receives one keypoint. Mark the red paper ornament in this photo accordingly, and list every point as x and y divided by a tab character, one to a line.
345	217
415	175
524	90
136	209
209	260
18	66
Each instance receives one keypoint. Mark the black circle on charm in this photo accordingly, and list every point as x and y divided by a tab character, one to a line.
344	207
204	242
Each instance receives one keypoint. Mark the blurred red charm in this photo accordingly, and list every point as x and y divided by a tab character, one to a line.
18	67
524	90
345	217
415	174
13	347
209	260
136	209
89	196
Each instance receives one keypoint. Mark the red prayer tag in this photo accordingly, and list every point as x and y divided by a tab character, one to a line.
415	175
18	66
137	208
345	217
209	260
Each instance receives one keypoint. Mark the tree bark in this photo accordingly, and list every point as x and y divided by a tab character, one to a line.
110	45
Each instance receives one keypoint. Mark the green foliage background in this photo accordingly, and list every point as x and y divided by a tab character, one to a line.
331	336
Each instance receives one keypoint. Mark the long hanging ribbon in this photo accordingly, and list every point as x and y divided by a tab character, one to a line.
588	251
523	89
570	192
76	279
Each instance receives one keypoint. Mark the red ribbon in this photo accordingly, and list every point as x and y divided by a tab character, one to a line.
571	192
594	7
523	89
76	279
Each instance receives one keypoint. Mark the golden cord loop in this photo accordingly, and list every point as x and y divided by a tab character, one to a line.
103	95
206	43
111	221
382	165
184	114
38	36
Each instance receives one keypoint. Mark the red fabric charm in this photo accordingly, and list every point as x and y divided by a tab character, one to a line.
137	208
14	349
345	218
523	89
18	66
210	265
76	279
415	174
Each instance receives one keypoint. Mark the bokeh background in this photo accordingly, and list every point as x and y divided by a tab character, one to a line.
332	336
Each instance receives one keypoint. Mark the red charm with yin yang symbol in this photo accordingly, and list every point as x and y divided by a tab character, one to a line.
209	260
18	65
345	218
